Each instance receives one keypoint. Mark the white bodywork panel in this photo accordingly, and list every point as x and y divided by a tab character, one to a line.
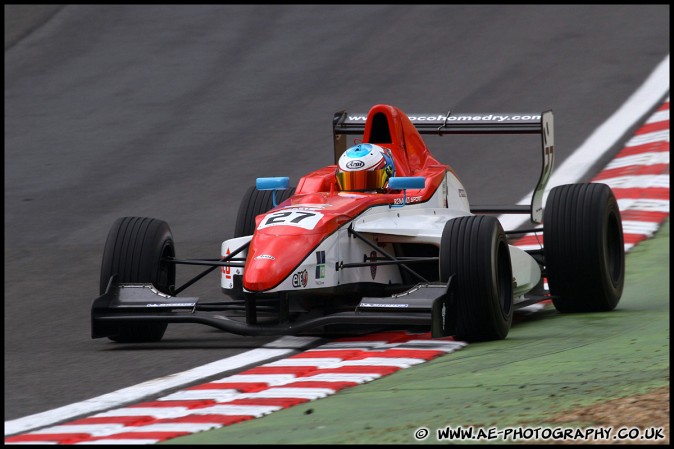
417	223
229	246
526	271
407	224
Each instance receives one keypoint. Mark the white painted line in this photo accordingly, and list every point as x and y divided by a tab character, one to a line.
339	377
643	204
291	342
280	392
638	182
96	430
237	410
155	412
269	379
172	427
277	348
190	395
402	362
355	345
643	139
318	362
661	157
640	227
659	116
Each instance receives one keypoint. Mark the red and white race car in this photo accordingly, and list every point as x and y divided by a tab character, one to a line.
385	236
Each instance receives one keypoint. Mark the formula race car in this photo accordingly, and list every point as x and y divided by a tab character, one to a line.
383	237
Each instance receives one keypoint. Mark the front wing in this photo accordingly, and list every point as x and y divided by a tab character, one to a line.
422	305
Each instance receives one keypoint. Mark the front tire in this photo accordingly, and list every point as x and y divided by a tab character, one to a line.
584	248
133	252
474	249
254	203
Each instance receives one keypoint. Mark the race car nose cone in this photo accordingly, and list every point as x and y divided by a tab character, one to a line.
272	257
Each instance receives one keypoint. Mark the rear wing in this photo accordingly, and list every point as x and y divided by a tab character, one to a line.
472	123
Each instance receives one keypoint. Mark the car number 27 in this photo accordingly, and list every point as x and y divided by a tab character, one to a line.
300	218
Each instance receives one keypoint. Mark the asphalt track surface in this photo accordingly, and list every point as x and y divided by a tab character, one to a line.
173	111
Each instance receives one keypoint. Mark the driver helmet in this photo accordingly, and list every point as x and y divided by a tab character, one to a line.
364	167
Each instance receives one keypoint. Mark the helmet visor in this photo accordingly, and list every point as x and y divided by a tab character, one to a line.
362	180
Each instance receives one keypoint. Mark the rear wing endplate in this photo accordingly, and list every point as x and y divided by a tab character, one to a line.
472	123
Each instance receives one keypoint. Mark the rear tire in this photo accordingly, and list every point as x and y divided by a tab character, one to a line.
133	252
475	250
584	248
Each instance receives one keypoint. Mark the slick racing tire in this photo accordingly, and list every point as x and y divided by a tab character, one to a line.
254	203
474	250
133	252
584	248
